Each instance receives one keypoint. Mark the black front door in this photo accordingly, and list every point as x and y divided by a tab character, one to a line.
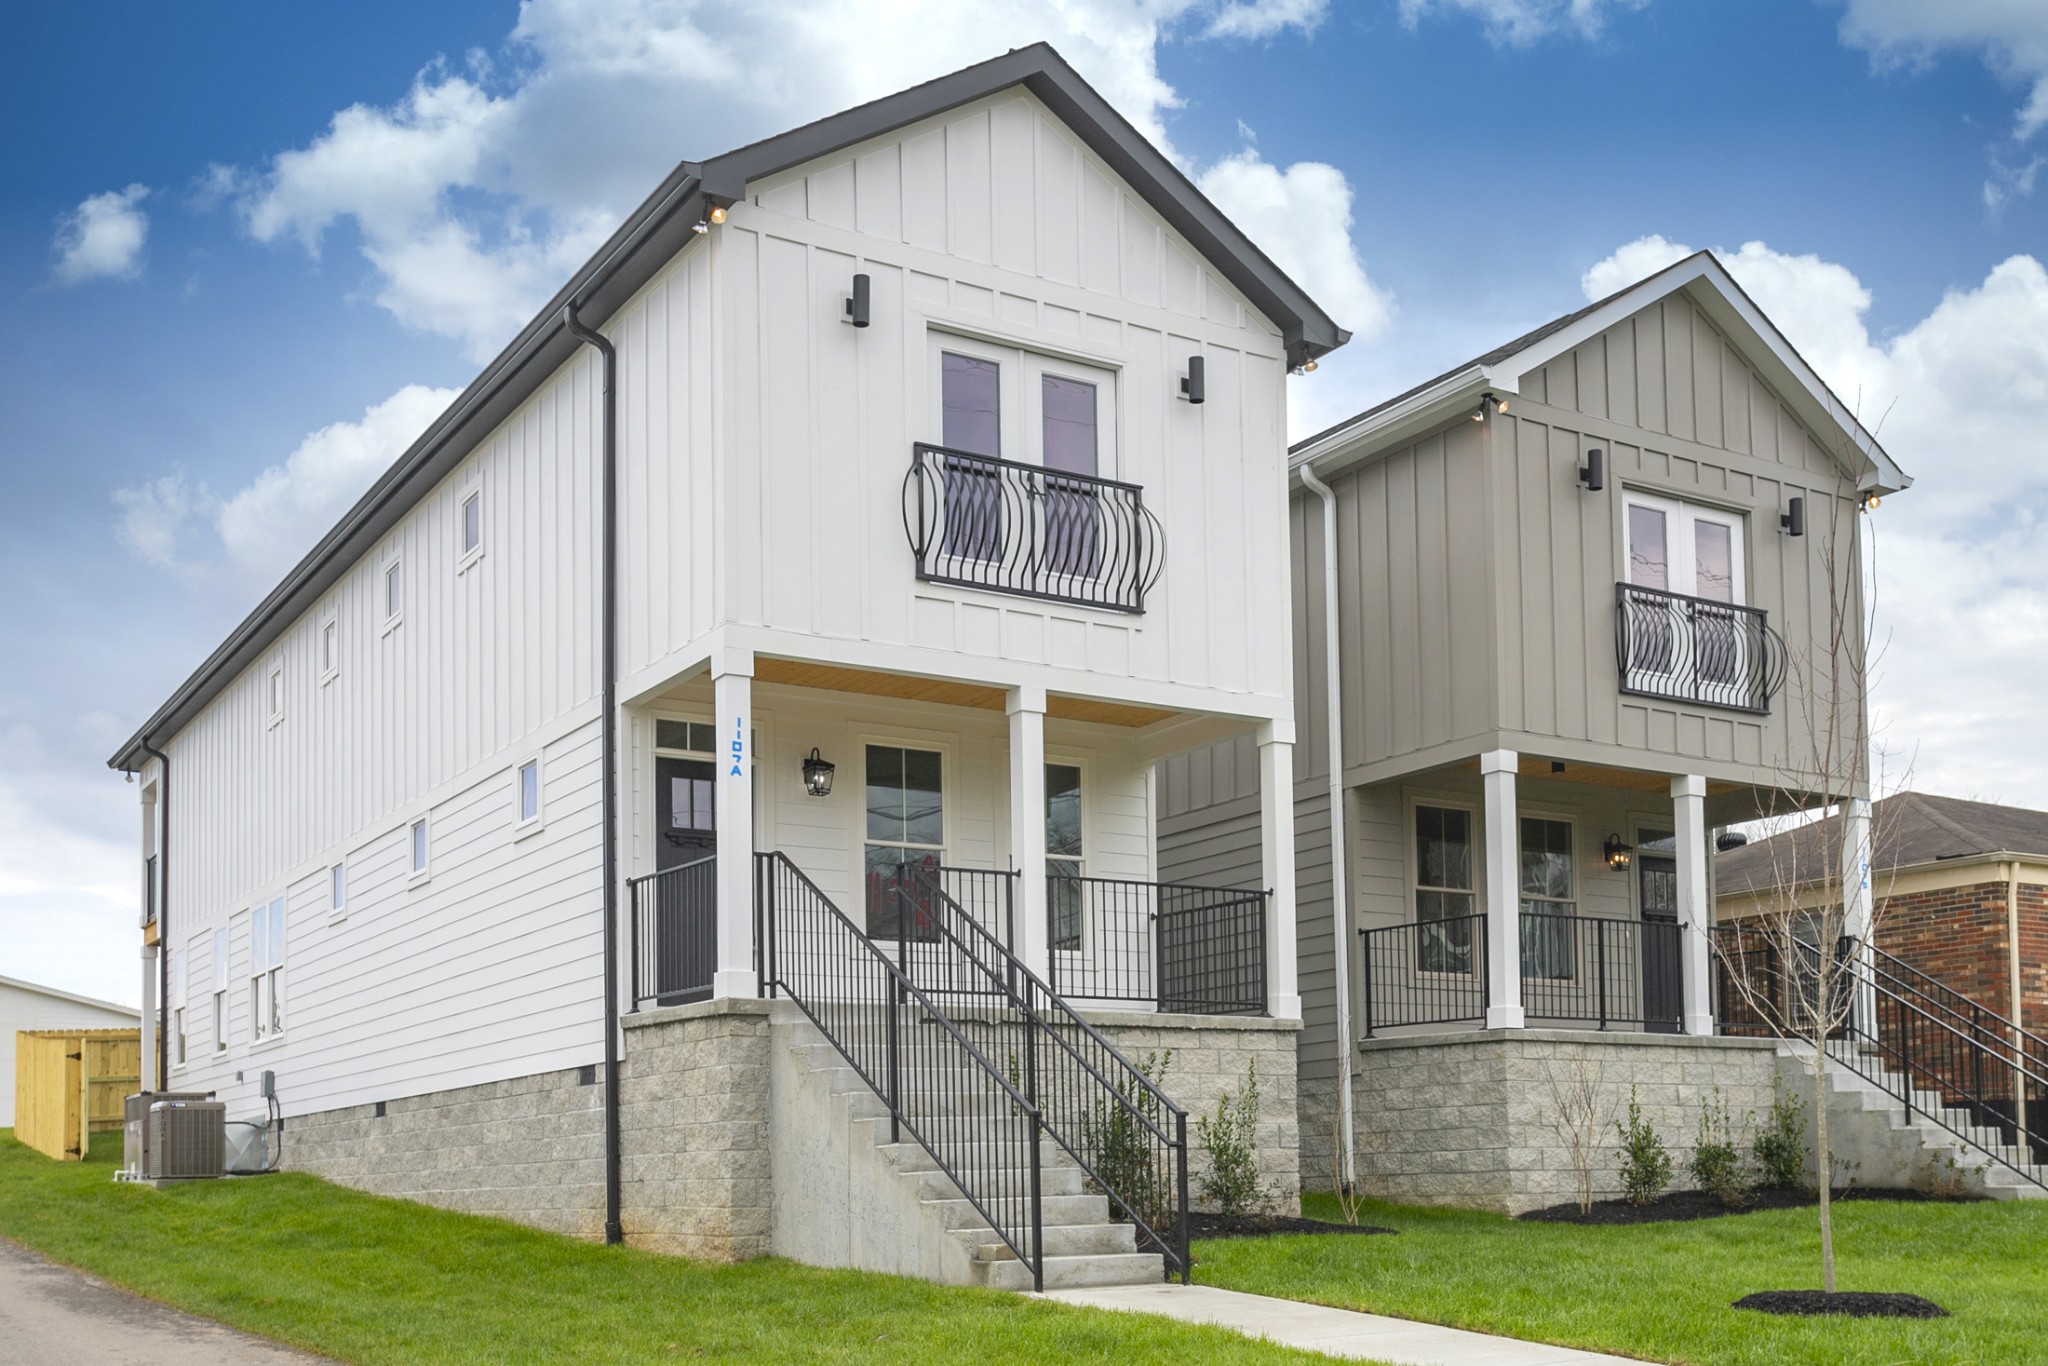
1657	890
685	911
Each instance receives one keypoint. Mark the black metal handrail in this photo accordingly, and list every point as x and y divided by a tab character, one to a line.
980	522
1688	649
1176	946
1602	970
1127	1136
1962	1011
938	1086
674	948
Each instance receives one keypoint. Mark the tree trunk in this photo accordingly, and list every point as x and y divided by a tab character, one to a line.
1824	1164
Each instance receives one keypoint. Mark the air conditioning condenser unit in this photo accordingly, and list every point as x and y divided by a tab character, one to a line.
187	1140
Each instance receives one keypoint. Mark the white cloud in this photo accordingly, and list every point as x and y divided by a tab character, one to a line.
269	525
1956	399
1633	261
2009	182
1301	217
154	517
1519	23
475	194
2012	36
102	238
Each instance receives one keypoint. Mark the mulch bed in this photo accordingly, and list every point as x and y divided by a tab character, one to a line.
1860	1304
1680	1205
1265	1226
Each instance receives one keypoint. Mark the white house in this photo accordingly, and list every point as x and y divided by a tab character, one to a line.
27	1006
786	623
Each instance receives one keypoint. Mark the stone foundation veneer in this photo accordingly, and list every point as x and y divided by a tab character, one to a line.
1468	1119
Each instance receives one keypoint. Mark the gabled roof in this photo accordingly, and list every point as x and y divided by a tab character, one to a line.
1908	829
652	235
71	996
1706	282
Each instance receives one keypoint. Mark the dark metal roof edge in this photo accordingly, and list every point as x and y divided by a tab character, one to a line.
604	282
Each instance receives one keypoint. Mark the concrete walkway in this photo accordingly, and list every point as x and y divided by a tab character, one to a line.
1333	1332
51	1315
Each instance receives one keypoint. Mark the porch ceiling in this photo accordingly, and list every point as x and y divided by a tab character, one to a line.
946	692
1596	775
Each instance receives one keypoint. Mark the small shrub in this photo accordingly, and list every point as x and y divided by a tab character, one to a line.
1645	1164
1231	1141
1716	1162
1125	1153
1780	1144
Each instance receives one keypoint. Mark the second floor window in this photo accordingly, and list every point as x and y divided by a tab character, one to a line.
266	969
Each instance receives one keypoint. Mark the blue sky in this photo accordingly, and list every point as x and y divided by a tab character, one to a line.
244	250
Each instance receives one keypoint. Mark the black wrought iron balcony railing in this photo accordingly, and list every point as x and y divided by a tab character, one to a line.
980	522
1688	649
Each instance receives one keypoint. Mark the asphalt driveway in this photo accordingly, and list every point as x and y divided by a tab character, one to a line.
51	1315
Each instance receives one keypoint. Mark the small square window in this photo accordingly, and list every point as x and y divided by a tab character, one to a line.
473	523
529	791
419	848
394	590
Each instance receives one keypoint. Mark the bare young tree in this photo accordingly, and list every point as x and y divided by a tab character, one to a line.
1797	965
1581	1119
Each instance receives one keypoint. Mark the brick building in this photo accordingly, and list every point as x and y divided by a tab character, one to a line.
1961	890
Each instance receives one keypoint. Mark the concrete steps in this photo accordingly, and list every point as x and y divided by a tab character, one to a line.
904	1213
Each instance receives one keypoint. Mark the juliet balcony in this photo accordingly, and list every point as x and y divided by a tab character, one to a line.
1688	649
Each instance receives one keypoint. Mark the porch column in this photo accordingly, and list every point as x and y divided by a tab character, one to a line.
1695	912
150	1081
1497	771
1026	707
1276	870
1856	908
732	691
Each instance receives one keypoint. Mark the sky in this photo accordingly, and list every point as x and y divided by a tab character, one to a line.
248	251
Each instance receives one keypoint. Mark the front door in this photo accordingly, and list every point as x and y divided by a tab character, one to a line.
683	919
1657	890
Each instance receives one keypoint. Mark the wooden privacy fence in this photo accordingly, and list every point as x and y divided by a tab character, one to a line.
72	1083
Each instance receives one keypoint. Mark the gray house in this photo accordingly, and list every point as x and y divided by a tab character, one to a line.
1560	613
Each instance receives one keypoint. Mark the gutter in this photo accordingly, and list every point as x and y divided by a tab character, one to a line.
1340	899
163	921
613	1231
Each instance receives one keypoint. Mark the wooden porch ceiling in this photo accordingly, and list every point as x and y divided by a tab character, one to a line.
1596	775
799	673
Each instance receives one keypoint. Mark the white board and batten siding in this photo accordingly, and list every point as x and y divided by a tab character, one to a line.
25	1006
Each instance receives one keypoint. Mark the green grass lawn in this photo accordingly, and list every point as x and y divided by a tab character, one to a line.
372	1280
1662	1291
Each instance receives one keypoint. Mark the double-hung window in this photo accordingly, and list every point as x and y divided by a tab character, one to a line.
1444	891
906	831
220	990
1063	853
1548	903
266	969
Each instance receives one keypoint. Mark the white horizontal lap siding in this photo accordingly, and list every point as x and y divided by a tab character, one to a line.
492	969
1047	251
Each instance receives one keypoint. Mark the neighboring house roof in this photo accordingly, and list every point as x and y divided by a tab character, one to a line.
1709	284
1908	829
652	235
70	996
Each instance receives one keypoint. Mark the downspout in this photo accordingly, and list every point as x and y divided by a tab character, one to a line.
613	1231
2017	996
163	920
1340	900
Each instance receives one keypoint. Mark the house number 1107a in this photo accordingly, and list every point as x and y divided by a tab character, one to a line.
739	746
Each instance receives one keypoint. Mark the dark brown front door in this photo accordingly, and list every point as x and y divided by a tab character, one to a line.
1657	892
685	948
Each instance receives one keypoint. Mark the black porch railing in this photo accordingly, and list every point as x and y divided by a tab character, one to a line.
674	945
1689	649
1605	972
1177	947
981	522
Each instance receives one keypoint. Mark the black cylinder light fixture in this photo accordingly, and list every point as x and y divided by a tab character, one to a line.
1793	520
817	775
1193	386
857	302
1593	474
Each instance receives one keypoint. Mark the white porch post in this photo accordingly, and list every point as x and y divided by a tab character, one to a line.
1276	869
732	691
1026	706
1497	770
150	1080
1856	907
1695	912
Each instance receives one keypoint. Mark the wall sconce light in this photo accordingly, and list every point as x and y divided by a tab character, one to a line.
817	775
1793	520
1617	853
1593	474
1498	404
1192	386
1870	503
857	302
713	216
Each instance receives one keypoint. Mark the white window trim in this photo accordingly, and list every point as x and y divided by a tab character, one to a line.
273	689
271	974
421	867
948	771
1411	862
337	882
223	942
392	620
1679	519
1087	771
467	557
524	825
330	668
